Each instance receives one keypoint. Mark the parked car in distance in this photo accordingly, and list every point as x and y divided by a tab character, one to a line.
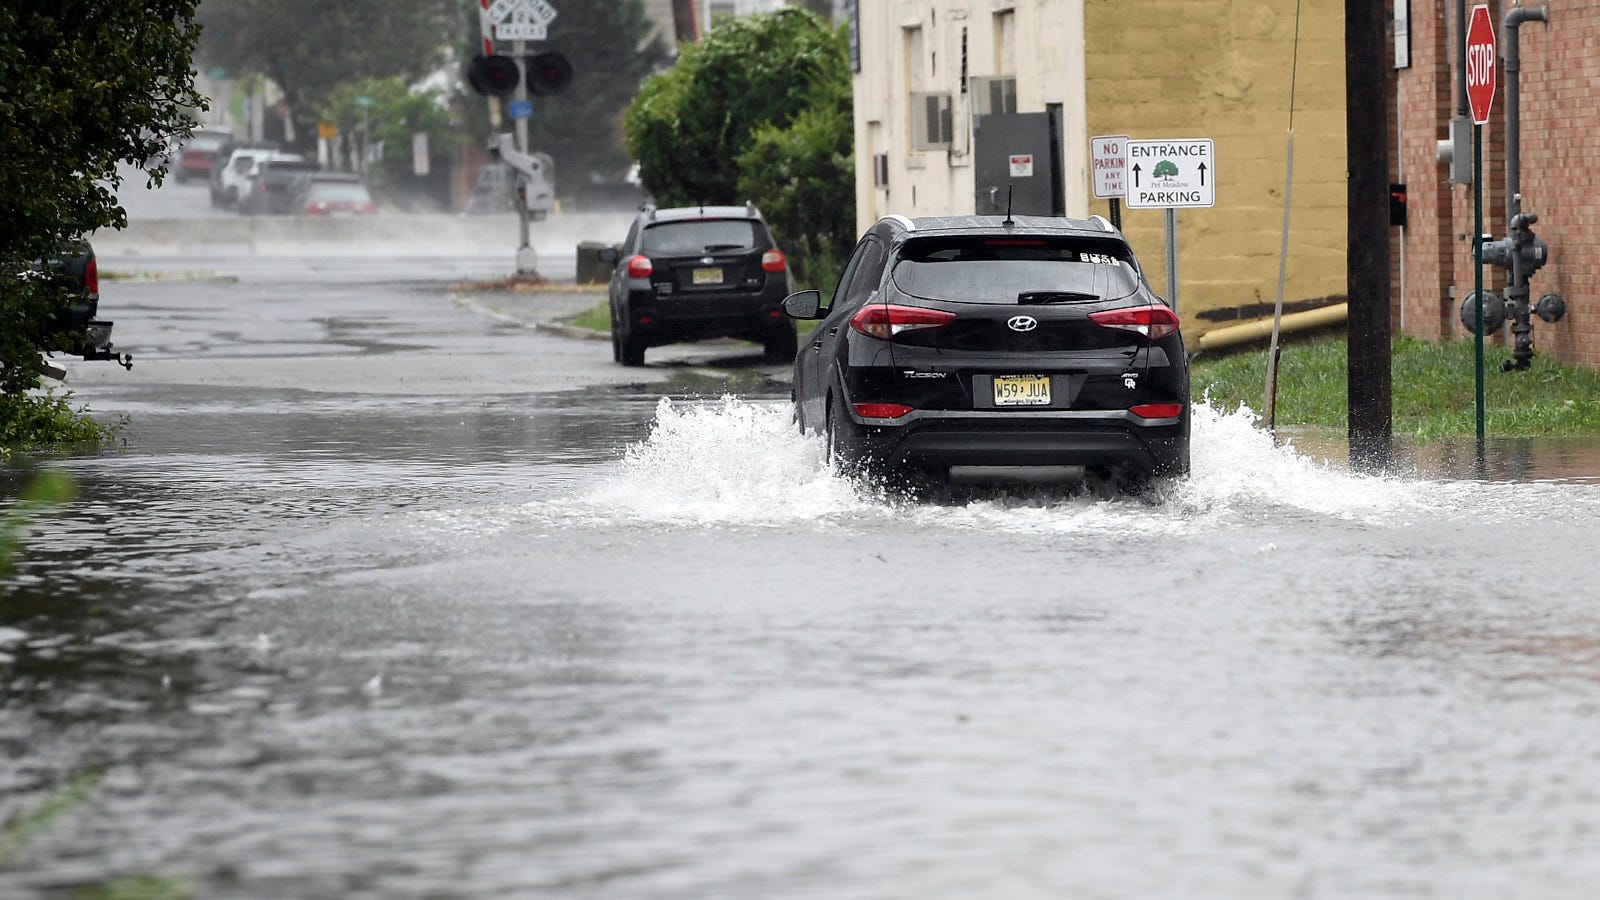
983	346
196	159
335	194
231	174
696	273
275	185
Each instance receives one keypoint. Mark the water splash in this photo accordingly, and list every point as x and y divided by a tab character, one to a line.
734	461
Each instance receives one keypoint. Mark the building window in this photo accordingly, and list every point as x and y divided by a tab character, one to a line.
1005	41
994	94
931	125
880	170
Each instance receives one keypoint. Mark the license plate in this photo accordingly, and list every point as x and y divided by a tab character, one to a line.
1022	390
707	276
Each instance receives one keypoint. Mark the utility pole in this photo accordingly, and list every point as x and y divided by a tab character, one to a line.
1371	424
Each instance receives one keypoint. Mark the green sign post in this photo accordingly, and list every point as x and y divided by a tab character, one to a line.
1480	59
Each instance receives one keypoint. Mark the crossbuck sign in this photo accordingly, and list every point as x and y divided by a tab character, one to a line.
521	20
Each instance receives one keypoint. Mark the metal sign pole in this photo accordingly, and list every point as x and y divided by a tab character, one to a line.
1172	257
1116	213
527	258
1477	274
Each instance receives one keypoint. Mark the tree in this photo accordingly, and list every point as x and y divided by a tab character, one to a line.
84	85
309	47
761	110
390	115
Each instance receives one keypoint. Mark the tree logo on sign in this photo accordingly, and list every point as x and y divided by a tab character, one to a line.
1165	169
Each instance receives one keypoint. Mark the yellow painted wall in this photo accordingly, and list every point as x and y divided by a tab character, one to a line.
1221	69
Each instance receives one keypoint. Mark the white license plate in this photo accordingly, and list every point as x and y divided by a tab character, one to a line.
707	276
1022	390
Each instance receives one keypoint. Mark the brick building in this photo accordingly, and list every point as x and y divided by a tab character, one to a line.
1560	140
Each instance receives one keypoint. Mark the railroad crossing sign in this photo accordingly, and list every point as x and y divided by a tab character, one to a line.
1480	64
1171	174
520	20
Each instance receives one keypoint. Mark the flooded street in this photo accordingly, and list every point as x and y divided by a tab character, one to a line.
385	593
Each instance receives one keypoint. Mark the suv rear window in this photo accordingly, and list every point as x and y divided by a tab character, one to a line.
1004	269
699	236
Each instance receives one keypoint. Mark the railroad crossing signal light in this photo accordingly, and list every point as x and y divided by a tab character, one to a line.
493	75
548	73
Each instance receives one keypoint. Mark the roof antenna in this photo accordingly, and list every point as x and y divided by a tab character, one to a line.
1008	220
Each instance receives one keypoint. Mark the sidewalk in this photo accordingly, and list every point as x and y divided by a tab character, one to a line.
547	308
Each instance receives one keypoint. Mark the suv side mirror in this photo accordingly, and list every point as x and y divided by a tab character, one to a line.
609	255
803	305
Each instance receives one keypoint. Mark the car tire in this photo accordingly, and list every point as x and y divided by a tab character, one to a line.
616	346
843	443
632	351
780	345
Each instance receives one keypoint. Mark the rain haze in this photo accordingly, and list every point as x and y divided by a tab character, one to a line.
395	584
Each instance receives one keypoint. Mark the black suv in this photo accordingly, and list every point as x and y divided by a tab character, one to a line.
985	342
698	273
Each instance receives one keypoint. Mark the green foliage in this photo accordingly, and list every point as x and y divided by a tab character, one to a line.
48	489
1433	390
804	177
83	86
32	421
396	111
690	124
310	47
761	110
26	825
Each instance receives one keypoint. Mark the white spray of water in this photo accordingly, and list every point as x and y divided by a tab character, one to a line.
733	461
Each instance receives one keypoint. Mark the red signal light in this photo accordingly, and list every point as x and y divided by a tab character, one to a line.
1154	322
493	75
548	73
640	266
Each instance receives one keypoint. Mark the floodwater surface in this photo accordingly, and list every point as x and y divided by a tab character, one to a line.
604	644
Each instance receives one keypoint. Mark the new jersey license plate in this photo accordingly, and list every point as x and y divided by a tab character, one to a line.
1022	390
708	276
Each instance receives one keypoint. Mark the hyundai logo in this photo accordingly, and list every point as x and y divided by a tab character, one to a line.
1022	323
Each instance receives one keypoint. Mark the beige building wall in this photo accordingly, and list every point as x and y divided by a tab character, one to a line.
1216	69
917	46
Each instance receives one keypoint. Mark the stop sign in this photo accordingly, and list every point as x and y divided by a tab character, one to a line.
1480	64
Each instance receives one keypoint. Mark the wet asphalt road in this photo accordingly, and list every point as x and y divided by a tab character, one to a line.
385	594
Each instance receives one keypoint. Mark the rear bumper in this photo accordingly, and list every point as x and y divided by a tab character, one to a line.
686	318
1107	439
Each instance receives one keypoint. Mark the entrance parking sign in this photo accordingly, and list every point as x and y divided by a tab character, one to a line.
1171	174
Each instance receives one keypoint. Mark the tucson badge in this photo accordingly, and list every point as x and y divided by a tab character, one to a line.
1022	323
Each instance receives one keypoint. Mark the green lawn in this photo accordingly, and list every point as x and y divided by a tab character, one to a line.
1433	389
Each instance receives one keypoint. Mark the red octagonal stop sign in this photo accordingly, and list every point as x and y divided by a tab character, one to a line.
1480	64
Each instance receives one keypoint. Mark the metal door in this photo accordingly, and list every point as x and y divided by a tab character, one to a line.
1019	153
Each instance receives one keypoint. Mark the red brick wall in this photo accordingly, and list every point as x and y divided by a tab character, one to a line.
1560	138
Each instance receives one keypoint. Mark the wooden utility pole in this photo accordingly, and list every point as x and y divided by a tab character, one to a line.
1367	263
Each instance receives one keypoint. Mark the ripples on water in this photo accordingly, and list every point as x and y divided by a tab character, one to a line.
699	664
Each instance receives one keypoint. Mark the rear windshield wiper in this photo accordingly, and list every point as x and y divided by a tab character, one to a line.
1056	297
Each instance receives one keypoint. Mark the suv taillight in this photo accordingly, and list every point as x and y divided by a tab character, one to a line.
884	321
773	261
91	278
639	266
1154	322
